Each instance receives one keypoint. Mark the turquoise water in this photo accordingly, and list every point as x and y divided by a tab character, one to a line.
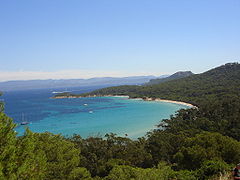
87	116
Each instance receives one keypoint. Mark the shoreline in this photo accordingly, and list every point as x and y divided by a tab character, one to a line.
167	101
177	102
125	96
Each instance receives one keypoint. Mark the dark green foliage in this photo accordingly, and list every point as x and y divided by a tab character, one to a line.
207	146
19	157
211	168
79	174
7	148
99	155
223	117
62	156
163	172
64	94
185	175
162	145
31	161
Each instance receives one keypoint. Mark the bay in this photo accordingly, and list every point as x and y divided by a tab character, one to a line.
93	116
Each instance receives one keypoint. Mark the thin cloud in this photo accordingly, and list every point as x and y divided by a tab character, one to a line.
64	74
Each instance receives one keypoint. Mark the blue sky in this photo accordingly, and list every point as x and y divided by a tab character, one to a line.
88	38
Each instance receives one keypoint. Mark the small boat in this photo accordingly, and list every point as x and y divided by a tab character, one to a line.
23	121
90	112
85	104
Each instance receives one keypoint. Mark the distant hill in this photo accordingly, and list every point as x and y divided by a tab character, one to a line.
177	75
66	83
216	84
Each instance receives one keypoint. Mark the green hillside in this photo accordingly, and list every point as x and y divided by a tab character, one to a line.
177	75
217	84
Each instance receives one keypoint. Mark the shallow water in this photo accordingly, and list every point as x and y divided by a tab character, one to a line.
101	115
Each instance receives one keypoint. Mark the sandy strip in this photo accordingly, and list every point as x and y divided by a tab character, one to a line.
123	96
170	101
120	96
176	102
161	100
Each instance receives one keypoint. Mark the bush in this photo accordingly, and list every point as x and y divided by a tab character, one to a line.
212	168
207	146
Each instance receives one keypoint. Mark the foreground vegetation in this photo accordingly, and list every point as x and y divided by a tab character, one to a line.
193	144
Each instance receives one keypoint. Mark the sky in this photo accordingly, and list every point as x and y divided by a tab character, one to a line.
58	39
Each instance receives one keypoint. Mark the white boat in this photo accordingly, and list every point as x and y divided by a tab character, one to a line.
85	104
90	112
24	122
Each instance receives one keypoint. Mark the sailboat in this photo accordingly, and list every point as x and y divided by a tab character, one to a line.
23	121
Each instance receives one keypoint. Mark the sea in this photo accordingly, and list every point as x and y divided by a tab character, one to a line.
90	116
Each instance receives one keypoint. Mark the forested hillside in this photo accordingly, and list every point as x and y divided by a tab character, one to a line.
177	75
201	143
216	84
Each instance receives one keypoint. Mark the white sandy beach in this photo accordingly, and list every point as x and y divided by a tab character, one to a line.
160	100
143	99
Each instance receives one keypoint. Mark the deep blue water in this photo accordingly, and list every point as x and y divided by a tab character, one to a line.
85	116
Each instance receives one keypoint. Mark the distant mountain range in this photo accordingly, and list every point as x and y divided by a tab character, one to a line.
67	83
101	81
177	75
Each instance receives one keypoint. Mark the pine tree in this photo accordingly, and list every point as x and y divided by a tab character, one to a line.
7	148
31	161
